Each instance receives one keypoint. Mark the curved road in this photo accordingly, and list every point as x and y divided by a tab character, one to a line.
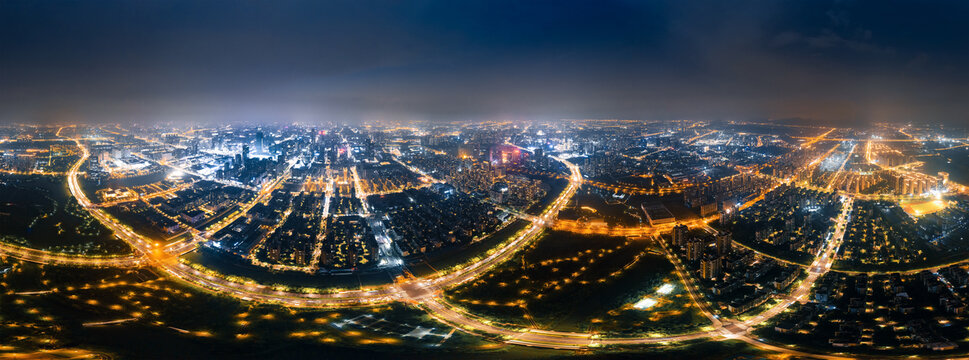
53	258
166	258
444	312
426	292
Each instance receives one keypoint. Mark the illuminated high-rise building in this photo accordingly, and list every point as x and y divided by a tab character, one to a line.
679	235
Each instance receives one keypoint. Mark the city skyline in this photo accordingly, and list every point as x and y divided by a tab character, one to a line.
484	180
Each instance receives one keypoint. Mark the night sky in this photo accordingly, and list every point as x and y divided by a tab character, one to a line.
141	61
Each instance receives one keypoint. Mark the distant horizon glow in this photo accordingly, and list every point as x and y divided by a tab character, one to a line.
189	62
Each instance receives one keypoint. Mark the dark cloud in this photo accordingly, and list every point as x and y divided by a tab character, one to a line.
839	61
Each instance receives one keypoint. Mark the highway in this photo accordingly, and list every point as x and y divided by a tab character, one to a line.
523	239
52	258
166	258
438	308
447	313
426	292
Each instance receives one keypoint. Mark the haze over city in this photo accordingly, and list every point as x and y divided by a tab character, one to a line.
484	179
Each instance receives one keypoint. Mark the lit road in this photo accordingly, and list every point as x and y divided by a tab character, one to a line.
426	292
166	258
875	140
415	288
842	167
812	141
524	237
52	258
820	266
698	137
690	282
441	310
631	231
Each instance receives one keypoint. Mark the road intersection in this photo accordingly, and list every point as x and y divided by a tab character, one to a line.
427	292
